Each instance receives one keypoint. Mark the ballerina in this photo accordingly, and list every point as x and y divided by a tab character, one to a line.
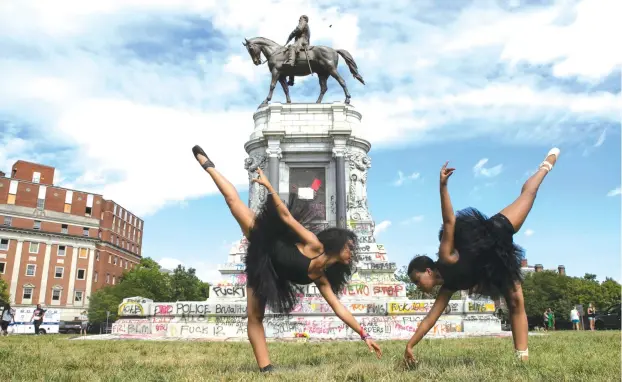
477	253
284	252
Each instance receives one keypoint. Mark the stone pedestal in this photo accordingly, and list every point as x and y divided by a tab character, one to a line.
296	145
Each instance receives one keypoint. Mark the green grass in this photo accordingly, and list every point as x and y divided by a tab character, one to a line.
561	356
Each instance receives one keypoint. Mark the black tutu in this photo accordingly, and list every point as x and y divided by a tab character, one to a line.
269	237
489	262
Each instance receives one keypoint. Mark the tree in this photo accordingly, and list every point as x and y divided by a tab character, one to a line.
185	285
4	292
147	280
548	289
590	277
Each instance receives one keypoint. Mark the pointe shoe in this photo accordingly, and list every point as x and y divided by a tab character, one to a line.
196	150
547	165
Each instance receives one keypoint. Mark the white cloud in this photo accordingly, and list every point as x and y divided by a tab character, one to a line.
205	271
401	179
615	192
529	232
414	219
480	171
150	79
381	227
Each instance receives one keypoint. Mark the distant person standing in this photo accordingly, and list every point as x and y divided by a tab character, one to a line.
37	317
591	314
545	319
574	317
551	319
84	323
7	316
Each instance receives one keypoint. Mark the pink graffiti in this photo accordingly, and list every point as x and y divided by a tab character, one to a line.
164	309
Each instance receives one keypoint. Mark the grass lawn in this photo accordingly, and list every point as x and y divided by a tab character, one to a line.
561	356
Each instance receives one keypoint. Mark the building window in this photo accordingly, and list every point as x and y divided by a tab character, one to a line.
4	244
115	260
64	229
33	248
107	278
77	296
30	269
58	272
114	280
84	254
68	200
36	177
81	274
123	244
27	293
117	241
85	231
8	221
12	192
56	294
109	259
89	205
95	277
67	209
41	204
114	209
99	234
61	250
97	255
2	268
37	224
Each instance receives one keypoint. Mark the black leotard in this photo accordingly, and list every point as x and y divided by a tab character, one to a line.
290	263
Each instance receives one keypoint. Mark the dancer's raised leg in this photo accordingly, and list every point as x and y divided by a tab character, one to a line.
255	308
517	211
240	211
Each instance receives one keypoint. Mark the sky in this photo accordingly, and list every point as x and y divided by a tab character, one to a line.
115	93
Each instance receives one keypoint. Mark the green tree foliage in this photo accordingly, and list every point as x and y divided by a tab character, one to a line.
4	292
548	289
147	280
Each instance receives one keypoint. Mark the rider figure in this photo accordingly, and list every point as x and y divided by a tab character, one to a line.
301	36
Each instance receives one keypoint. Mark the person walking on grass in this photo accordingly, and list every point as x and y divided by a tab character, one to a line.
285	251
84	323
37	318
574	317
477	253
8	315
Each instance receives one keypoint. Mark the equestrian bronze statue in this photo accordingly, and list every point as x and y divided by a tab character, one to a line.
300	59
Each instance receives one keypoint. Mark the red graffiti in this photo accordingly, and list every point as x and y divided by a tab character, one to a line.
388	290
160	328
164	309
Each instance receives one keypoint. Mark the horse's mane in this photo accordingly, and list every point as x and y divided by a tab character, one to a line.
264	39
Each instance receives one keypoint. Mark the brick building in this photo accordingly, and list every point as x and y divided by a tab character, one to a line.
58	245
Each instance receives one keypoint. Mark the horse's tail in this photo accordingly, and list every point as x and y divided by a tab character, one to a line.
351	64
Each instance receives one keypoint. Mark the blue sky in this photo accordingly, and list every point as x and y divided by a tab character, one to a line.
115	93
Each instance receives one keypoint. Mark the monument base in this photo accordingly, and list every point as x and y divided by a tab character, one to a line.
311	319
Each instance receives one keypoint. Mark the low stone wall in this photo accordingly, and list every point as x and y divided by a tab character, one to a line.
312	318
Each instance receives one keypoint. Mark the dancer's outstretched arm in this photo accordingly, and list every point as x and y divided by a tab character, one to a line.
428	322
307	237
344	314
446	252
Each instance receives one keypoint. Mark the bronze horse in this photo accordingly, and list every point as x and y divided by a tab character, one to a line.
321	60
